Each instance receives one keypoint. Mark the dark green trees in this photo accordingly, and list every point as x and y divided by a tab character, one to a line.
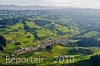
88	42
2	43
95	60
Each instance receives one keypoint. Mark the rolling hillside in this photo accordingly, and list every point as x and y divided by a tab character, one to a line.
50	34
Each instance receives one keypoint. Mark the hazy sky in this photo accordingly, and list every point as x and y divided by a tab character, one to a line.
68	3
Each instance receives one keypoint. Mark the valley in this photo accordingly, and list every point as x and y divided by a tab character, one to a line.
50	34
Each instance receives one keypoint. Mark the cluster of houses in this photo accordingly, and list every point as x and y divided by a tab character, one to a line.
43	44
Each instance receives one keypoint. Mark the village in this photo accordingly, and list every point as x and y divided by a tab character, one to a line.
42	46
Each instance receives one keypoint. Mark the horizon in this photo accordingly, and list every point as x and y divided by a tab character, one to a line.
94	4
54	7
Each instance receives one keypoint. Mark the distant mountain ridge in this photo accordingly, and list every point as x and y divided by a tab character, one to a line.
15	7
36	7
